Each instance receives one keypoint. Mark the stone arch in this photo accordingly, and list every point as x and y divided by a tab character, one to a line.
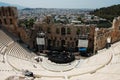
49	41
63	31
62	42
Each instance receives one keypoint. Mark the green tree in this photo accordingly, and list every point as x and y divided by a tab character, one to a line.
108	12
31	22
80	19
78	31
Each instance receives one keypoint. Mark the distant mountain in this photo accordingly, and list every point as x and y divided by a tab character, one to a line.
28	8
15	5
108	12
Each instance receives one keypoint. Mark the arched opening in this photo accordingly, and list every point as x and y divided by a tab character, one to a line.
57	30
63	31
49	44
63	45
62	42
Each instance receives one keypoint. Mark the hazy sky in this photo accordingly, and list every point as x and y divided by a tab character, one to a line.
63	3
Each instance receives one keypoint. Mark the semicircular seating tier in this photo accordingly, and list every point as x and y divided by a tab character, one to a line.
14	58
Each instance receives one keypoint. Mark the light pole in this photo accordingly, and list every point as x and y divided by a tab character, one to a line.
108	42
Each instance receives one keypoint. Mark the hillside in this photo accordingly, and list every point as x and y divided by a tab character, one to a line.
108	12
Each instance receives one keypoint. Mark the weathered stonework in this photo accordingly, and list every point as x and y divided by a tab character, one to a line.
103	33
59	34
8	18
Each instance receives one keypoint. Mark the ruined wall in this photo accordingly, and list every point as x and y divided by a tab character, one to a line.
8	18
103	33
101	38
116	29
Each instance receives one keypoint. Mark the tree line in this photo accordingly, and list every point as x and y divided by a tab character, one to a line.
108	12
